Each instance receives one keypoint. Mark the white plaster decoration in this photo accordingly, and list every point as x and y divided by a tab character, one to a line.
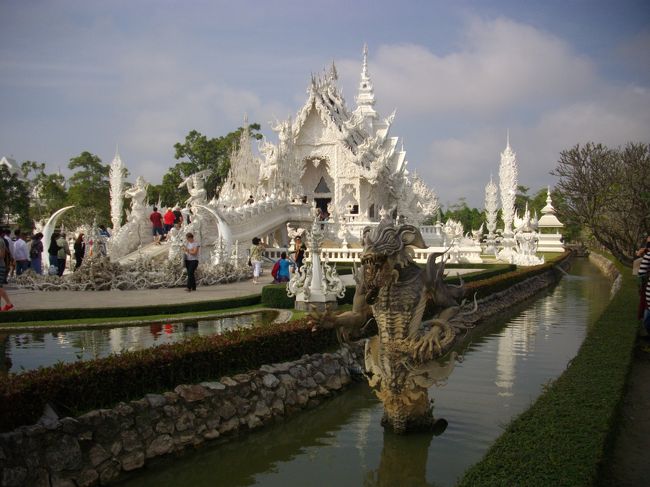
508	191
116	180
491	214
137	229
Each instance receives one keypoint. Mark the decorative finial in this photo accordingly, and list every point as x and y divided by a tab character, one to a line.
508	138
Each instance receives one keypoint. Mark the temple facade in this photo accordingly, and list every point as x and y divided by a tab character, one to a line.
343	161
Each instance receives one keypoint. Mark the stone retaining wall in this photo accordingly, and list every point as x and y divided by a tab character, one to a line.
97	447
608	268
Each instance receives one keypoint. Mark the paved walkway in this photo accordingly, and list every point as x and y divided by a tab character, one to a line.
27	299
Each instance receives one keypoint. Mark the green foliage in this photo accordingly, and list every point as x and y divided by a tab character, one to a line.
563	438
88	190
275	296
22	316
14	199
471	218
101	383
608	191
199	153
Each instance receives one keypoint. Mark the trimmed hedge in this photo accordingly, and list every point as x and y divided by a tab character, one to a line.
101	383
275	296
563	438
21	316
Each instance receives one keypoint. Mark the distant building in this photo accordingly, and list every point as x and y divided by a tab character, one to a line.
10	164
550	238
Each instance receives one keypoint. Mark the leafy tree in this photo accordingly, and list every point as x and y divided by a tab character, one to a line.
88	190
608	191
199	153
14	199
471	218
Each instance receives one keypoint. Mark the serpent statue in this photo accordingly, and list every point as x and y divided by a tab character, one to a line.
403	360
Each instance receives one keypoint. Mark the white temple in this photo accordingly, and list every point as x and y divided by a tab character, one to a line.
550	238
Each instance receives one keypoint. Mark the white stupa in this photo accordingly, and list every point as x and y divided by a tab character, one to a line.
550	238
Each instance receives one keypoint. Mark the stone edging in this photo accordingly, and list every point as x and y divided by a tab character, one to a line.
99	446
608	268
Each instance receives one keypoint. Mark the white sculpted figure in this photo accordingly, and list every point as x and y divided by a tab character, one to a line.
137	229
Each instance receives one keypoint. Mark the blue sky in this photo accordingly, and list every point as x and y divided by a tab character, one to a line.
87	75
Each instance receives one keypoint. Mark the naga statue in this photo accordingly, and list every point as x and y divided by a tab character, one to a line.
402	360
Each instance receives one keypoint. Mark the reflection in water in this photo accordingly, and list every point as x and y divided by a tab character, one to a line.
28	351
340	443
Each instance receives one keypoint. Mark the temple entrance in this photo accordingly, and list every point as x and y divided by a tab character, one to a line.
322	203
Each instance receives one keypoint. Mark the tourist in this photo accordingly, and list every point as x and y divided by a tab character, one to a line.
256	258
36	253
644	288
62	254
103	231
168	219
4	233
53	252
3	274
21	253
281	269
157	225
79	250
299	252
191	250
178	216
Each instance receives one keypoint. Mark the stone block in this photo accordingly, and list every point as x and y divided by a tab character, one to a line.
87	478
63	454
156	400
192	393
109	471
131	440
160	445
98	455
270	381
132	460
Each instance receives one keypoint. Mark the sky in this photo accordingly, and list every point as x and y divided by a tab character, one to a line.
89	75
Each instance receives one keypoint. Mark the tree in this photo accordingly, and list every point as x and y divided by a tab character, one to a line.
14	199
471	218
199	153
88	190
608	191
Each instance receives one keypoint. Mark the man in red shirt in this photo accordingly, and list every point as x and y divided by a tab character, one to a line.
156	222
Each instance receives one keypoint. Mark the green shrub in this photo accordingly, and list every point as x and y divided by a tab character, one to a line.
563	438
101	383
21	316
275	296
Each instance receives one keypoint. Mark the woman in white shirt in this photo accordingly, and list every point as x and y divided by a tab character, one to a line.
191	250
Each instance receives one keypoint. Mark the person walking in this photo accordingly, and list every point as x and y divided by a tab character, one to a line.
62	254
3	273
79	250
36	253
8	259
644	288
157	225
256	257
21	253
191	250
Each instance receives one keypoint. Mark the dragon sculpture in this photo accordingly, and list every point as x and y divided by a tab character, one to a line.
402	360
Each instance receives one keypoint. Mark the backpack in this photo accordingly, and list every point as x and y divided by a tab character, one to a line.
276	269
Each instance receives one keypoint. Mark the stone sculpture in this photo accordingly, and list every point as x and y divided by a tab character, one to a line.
393	291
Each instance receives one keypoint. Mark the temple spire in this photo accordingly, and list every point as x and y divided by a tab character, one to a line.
366	96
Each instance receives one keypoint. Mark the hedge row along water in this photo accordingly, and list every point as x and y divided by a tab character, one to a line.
101	383
562	439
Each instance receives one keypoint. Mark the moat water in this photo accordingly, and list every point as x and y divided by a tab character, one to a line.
27	351
505	367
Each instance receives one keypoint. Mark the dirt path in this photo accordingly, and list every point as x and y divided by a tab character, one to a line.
629	463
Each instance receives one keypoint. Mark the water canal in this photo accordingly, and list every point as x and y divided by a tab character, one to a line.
506	365
27	351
